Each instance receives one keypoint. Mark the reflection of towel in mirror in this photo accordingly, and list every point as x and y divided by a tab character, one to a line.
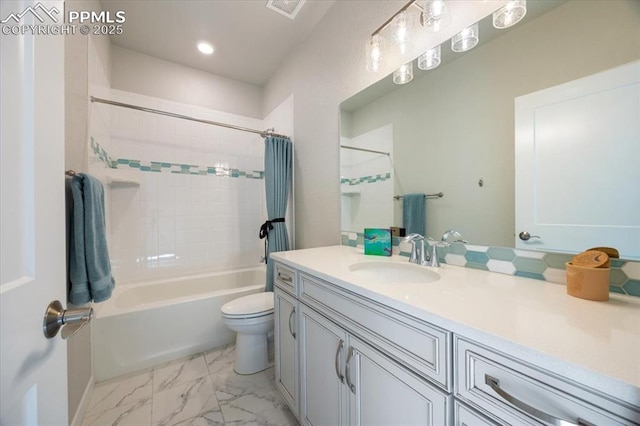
413	215
89	267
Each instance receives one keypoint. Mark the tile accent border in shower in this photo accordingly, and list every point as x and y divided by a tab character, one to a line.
624	277
365	179
166	167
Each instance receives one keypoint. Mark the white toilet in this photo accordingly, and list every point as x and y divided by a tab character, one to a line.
251	317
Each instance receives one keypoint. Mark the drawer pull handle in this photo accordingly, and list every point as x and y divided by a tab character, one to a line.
337	361
293	311
347	369
285	278
539	415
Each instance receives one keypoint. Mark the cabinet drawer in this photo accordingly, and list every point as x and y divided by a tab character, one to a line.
423	348
285	278
465	416
515	393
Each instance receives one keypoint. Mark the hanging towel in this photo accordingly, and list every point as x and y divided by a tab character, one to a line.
413	216
89	267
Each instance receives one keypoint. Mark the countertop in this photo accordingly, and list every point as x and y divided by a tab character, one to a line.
596	344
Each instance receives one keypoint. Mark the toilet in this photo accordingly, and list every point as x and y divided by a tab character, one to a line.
251	317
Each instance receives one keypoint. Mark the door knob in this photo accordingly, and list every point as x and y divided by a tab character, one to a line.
525	236
55	318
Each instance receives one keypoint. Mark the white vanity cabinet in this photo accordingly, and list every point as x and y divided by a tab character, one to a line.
285	337
359	361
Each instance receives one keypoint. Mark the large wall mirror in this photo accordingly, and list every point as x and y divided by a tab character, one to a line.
451	129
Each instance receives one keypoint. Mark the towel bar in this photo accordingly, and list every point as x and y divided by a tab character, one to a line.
438	195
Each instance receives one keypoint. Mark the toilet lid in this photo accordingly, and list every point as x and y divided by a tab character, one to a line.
249	305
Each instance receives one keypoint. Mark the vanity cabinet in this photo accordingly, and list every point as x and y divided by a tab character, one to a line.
286	357
343	358
346	381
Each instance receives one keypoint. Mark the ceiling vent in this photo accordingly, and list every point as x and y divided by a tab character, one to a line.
288	8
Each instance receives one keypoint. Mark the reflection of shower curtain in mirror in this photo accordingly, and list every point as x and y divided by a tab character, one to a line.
366	181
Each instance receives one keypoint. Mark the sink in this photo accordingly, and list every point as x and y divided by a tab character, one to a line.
393	272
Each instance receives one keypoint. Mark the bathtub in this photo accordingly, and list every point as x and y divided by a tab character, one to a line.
147	323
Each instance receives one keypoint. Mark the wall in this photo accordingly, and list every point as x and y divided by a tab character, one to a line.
185	197
455	124
138	73
327	68
87	63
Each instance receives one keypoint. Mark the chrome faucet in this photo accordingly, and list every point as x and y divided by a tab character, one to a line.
418	253
452	233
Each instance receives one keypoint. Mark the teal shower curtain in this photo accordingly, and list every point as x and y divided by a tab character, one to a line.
277	178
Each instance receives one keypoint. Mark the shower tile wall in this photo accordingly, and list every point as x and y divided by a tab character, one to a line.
200	199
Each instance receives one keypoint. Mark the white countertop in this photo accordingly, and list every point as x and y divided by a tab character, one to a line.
596	344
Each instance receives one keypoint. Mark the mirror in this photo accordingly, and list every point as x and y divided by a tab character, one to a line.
451	129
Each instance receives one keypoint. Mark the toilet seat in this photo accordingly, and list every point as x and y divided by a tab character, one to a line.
251	306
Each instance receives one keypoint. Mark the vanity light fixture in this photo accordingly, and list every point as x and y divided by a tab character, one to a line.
510	14
435	15
429	59
404	74
466	39
205	48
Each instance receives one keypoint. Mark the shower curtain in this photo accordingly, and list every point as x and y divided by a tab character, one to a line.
277	178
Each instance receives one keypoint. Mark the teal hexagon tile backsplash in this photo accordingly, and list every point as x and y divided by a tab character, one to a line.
528	264
476	257
457	248
616	289
557	260
617	276
502	266
501	253
529	275
632	287
632	270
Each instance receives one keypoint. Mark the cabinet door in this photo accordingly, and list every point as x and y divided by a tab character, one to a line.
385	393
286	351
323	395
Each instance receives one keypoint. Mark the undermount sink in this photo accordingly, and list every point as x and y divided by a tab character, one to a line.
393	272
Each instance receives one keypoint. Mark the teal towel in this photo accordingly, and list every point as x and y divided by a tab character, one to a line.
89	267
413	215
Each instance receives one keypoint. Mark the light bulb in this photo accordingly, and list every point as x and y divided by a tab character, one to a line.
466	39
402	24
435	15
404	74
429	59
510	14
375	48
205	48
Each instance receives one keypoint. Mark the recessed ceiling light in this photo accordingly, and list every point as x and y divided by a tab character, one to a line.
205	48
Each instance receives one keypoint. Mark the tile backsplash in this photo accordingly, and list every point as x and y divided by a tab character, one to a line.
624	274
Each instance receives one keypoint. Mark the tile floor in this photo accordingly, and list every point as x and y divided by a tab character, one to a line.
199	390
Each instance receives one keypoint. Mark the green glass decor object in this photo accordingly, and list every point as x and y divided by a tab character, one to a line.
377	241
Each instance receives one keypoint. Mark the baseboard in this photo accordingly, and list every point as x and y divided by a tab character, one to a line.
84	402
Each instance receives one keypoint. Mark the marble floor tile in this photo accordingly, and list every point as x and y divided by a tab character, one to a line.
136	414
183	402
120	391
178	372
263	407
221	359
230	385
201	390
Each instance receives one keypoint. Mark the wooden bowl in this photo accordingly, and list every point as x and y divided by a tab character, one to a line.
587	282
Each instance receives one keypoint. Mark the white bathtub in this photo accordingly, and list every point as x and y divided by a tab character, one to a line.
144	324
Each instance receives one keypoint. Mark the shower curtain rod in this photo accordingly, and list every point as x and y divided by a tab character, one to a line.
263	133
365	150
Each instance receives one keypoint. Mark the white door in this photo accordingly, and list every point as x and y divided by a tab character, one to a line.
33	369
577	156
